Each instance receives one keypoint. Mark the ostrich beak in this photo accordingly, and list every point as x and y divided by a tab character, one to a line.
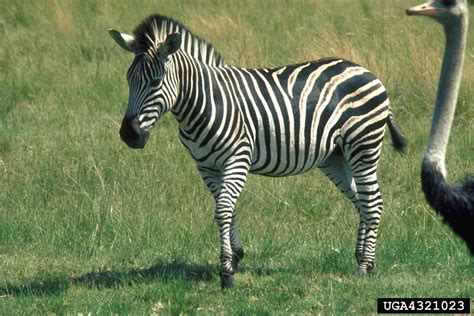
426	9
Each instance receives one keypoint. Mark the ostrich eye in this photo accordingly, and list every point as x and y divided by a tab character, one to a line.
449	2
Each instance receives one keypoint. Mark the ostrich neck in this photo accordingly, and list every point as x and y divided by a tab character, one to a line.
448	88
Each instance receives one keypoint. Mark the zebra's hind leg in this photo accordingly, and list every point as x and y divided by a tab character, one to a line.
359	184
337	170
370	208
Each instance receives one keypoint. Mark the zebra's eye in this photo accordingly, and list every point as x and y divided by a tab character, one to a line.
449	3
155	82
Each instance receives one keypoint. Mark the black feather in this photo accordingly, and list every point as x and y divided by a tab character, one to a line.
454	203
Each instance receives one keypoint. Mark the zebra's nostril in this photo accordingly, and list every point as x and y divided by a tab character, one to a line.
135	127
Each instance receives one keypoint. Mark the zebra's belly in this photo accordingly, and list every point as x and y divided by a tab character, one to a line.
288	161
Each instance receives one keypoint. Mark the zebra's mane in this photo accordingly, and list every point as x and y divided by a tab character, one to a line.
155	28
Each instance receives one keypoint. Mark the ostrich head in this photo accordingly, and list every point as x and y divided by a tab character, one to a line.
445	12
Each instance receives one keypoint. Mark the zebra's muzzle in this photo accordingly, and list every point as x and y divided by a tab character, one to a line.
131	134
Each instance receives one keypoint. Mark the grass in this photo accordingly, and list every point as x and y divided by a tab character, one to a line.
90	226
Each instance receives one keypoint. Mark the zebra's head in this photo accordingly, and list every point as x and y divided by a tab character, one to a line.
444	11
150	93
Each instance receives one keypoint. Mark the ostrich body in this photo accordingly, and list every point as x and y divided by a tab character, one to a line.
454	203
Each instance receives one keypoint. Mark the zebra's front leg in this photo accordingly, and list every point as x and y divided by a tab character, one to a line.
235	242
359	248
223	218
232	250
226	187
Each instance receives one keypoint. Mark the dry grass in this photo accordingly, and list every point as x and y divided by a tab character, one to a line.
91	226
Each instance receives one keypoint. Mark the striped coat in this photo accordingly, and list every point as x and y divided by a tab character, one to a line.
280	121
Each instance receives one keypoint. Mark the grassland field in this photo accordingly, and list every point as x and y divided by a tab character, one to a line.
88	225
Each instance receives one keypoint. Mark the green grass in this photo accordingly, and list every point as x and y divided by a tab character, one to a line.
88	225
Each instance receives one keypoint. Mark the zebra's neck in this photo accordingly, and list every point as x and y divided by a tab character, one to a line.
188	74
448	88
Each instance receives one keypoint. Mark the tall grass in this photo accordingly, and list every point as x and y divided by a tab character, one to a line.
88	225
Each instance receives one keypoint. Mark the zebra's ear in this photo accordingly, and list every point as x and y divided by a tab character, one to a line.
171	44
125	41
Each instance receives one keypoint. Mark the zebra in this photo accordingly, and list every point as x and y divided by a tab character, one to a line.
329	113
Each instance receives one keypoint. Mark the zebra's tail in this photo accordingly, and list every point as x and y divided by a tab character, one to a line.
398	140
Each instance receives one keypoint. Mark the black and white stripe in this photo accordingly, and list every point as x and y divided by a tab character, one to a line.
282	121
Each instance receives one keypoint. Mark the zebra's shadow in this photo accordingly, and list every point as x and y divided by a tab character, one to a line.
110	278
164	271
161	271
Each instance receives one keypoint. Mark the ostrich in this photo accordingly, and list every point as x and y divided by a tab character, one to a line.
454	203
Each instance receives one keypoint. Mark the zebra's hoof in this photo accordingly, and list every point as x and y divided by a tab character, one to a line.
372	270
227	281
361	272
